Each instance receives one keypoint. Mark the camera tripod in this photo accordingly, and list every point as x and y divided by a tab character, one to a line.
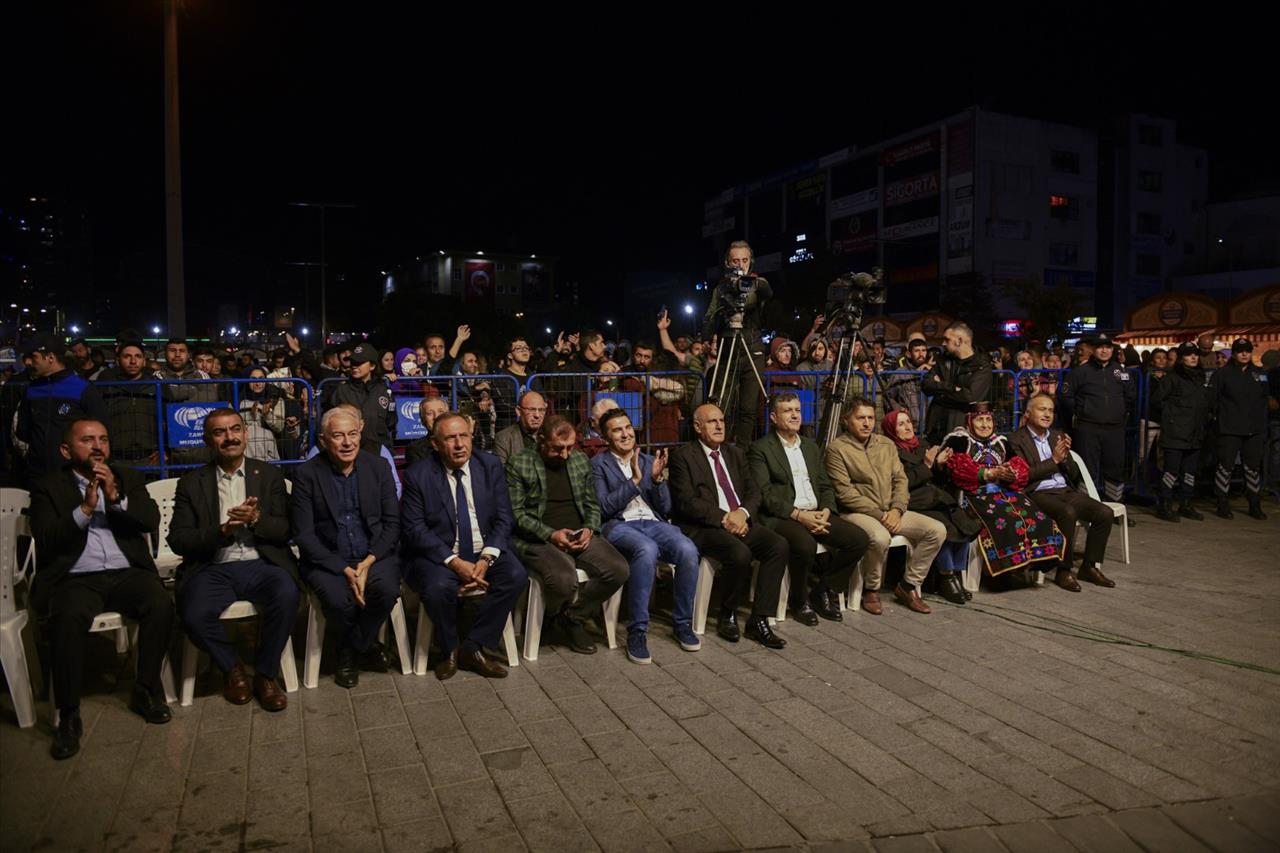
842	372
723	388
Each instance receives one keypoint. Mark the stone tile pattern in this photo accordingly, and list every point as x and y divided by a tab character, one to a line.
974	728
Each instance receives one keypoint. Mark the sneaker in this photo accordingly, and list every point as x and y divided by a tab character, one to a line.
638	647
686	638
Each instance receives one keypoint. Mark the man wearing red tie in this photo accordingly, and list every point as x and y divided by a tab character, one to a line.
716	504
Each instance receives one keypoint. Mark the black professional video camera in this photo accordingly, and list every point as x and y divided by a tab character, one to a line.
854	290
733	290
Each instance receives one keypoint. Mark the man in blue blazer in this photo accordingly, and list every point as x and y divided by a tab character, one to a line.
634	505
346	523
457	538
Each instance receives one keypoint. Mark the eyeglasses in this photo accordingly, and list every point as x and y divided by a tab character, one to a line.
520	349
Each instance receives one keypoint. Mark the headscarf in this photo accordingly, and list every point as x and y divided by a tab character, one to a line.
401	354
889	426
976	409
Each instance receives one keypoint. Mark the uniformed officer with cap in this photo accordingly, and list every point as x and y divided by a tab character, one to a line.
1100	394
1238	395
368	393
1184	411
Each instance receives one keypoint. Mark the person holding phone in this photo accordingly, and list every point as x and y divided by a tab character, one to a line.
557	514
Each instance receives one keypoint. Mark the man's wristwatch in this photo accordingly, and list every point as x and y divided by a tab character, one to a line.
488	559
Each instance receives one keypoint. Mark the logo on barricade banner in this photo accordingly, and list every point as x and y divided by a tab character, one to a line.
408	423
186	422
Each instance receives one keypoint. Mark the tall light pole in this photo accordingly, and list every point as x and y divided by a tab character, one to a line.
177	310
324	324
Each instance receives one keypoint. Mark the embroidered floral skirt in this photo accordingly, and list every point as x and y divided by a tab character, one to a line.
1015	535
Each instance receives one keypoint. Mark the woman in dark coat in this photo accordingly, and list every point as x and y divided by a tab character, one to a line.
1183	400
926	468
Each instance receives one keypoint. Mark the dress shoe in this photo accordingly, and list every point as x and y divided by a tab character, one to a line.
147	706
950	588
1094	575
757	628
911	599
374	659
1186	510
686	638
1066	580
826	605
1224	509
871	603
66	740
1164	510
968	596
476	662
804	614
575	634
1255	509
269	694
235	686
727	627
447	667
347	674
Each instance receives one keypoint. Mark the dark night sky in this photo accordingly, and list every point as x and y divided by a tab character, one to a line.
591	140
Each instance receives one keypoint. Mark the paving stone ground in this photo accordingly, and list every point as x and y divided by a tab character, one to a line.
1035	720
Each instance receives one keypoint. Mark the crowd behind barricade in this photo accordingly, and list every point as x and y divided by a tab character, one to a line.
329	479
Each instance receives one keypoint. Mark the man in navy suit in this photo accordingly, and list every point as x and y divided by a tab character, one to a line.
634	505
457	538
346	523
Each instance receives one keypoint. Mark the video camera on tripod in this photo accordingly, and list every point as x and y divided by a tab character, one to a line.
734	289
853	291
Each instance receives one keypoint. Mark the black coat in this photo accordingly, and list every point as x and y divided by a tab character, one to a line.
955	383
60	541
1184	407
927	496
1099	394
1238	395
313	511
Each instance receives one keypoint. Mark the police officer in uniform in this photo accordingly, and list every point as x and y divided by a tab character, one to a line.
1100	394
1238	393
1184	406
368	393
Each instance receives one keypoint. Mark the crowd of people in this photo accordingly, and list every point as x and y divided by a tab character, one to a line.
611	468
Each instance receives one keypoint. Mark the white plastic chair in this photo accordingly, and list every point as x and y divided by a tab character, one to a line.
422	644
853	599
1118	510
784	592
126	637
163	493
702	595
13	656
315	639
191	655
535	610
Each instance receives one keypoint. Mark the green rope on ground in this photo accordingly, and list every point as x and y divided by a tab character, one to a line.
1084	632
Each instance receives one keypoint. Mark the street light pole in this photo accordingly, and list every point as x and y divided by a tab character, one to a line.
177	302
323	205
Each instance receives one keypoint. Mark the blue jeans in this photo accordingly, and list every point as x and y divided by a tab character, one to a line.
643	543
953	557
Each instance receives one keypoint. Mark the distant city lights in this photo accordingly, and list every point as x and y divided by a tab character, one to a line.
688	308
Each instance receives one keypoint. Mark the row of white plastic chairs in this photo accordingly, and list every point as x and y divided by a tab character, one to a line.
15	523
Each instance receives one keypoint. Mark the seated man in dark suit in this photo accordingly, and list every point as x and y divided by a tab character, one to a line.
428	410
457	538
635	504
89	521
231	526
717	504
553	496
1052	485
799	503
346	522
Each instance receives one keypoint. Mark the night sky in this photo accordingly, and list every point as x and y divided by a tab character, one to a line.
596	141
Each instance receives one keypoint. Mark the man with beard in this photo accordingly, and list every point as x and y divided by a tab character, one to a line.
178	365
130	399
960	378
89	521
903	391
663	395
231	527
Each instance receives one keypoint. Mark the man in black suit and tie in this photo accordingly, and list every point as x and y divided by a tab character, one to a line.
346	522
231	526
89	521
716	503
457	538
799	503
1053	486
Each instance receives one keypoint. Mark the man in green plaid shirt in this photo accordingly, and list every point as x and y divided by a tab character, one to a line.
557	518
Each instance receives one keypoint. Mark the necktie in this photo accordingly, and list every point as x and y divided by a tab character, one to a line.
466	549
723	478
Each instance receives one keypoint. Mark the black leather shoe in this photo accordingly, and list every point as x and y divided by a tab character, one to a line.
1186	510
575	634
758	629
826	604
1224	509
447	667
66	740
804	614
950	588
374	659
727	627
348	673
1255	509
148	707
476	662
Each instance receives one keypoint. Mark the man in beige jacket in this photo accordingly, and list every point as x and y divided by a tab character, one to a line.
871	492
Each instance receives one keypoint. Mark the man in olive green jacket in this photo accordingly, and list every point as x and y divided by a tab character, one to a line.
871	491
799	504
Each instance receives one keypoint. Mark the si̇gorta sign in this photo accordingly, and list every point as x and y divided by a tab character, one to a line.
186	422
